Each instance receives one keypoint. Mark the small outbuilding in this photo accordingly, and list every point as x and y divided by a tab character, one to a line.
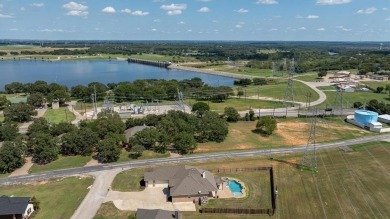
384	118
15	207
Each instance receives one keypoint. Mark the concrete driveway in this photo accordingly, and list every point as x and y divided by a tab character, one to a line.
150	198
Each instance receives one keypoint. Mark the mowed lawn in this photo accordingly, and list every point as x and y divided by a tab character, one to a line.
277	91
241	70
347	185
55	116
58	198
125	155
350	98
242	104
63	162
289	132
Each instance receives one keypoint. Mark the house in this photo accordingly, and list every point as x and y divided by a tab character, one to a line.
345	88
380	77
134	130
15	207
185	183
157	214
382	118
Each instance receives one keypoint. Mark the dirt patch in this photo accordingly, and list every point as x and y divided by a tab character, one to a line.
293	132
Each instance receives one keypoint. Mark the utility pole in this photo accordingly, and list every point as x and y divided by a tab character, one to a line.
94	88
289	94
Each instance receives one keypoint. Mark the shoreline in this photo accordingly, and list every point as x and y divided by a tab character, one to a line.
210	72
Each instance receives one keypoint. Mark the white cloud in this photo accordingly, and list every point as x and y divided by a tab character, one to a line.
267	2
140	13
52	30
22	9
156	20
5	16
387	19
189	30
173	7
369	10
273	29
109	10
181	22
174	12
154	29
158	0
73	6
343	28
14	29
38	5
241	10
77	13
205	0
204	10
238	26
313	17
302	28
76	9
299	16
1	6
385	9
126	10
321	29
333	2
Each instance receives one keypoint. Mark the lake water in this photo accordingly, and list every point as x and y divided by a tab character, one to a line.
72	73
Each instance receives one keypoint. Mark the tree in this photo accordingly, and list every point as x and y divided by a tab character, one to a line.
14	87
80	91
387	88
252	115
137	151
39	125
358	105
4	102
212	128
200	108
9	132
36	99
79	142
147	137
322	73
62	128
61	96
108	123
266	125
20	112
44	148
184	143
231	114
12	156
108	150
379	89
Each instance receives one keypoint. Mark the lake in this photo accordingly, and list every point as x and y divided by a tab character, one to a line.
72	73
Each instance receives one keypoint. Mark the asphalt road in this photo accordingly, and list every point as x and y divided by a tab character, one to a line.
183	159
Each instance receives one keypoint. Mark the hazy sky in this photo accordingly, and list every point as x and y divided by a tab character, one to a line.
298	20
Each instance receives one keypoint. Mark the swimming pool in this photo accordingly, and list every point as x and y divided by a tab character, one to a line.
235	187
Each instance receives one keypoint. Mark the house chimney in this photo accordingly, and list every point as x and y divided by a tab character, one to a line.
204	174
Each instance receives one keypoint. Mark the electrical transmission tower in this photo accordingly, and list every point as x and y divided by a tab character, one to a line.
289	94
338	104
180	101
310	158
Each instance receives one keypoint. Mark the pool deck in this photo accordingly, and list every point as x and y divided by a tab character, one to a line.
226	193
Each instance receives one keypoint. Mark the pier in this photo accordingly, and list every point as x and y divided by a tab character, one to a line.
148	62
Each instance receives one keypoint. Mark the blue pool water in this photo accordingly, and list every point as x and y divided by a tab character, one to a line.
235	187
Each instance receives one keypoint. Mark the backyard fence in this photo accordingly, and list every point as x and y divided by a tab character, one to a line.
269	211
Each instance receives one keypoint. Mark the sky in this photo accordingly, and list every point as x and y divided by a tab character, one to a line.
259	20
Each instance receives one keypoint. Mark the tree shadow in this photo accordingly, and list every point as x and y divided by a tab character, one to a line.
260	132
295	165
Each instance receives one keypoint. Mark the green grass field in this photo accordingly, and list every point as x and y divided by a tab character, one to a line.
161	58
61	163
347	184
56	116
240	70
350	98
242	104
375	84
277	91
109	211
1	116
128	181
310	76
124	157
58	198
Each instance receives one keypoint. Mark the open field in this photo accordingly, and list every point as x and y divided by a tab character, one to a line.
242	104
81	106
162	58
240	70
347	184
62	162
124	157
350	98
58	198
375	84
277	91
309	76
290	132
129	180
56	116
1	116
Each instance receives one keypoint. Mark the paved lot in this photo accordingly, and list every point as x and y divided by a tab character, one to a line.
150	198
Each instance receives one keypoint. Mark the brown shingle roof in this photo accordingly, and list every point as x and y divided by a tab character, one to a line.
157	214
184	180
